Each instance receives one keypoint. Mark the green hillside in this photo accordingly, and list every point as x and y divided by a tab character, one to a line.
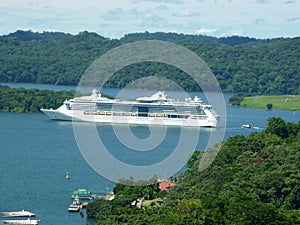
253	180
282	102
241	64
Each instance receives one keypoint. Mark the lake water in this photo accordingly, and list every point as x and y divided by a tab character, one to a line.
36	153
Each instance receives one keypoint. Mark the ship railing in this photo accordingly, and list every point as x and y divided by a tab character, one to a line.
110	113
151	115
199	117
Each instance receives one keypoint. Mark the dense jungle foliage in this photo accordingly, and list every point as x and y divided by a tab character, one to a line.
240	64
31	100
253	180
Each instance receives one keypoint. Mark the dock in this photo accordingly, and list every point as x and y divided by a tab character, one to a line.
84	204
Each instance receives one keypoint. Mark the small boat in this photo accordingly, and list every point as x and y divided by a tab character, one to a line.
67	175
82	194
75	206
21	213
27	222
246	126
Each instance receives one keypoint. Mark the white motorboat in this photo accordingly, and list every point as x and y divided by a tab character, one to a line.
21	213
27	222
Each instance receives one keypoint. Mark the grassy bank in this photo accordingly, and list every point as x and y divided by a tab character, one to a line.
282	102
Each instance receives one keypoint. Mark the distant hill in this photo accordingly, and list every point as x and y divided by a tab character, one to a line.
240	64
236	40
45	36
174	37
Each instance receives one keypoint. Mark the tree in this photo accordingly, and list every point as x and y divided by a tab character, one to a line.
269	106
277	126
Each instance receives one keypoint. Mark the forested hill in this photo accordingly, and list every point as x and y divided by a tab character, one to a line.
174	37
253	180
240	64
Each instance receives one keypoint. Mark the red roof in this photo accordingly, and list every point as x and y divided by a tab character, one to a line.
164	186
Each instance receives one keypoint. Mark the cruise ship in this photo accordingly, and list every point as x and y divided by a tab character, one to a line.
157	109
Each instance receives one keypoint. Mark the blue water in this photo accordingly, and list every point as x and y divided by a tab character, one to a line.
36	153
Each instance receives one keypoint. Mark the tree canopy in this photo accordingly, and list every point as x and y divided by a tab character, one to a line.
31	100
240	64
253	180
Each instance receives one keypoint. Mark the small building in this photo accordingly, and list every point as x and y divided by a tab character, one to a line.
164	186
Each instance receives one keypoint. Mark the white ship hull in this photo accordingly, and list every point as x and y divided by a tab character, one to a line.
110	119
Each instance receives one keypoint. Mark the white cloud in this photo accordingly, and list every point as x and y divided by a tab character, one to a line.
255	18
134	14
161	8
205	31
186	13
259	21
115	14
293	19
159	1
152	20
289	1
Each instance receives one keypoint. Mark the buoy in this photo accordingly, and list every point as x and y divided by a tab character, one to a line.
67	175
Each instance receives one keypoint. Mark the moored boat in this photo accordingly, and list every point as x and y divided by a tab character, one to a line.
27	222
75	206
82	194
21	213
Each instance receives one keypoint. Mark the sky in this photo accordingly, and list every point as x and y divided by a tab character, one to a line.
115	18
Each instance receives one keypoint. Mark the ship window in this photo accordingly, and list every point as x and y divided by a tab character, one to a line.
142	111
